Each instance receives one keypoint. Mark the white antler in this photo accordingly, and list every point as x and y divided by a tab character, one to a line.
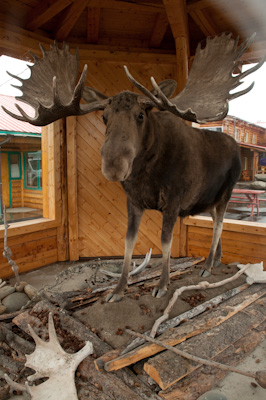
50	361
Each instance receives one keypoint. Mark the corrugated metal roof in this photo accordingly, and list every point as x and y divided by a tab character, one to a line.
10	124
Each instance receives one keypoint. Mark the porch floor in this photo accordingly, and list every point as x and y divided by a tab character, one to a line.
21	214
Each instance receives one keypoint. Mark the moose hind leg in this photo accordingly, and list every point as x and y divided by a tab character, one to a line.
215	253
218	253
166	240
134	219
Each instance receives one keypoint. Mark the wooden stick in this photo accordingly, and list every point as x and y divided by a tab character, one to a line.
179	291
7	253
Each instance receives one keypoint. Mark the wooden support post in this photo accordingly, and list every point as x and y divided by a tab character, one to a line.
54	182
182	62
61	182
72	188
177	16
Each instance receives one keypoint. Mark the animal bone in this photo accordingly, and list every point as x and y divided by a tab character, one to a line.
200	286
50	361
136	270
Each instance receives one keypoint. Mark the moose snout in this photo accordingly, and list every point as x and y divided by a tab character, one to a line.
116	164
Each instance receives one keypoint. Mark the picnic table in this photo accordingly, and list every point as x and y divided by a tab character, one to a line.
247	196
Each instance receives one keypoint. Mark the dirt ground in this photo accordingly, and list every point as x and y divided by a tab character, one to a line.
138	310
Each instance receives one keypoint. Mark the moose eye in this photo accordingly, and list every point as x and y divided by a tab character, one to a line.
104	119
141	116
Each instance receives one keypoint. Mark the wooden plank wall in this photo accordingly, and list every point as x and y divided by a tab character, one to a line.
30	251
101	209
242	242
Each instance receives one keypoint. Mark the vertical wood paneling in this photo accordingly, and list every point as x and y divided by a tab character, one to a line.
102	212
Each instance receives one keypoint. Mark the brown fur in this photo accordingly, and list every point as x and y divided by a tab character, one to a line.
166	165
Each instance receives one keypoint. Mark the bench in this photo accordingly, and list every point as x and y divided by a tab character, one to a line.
249	197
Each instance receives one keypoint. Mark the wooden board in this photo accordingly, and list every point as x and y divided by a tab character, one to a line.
189	329
168	368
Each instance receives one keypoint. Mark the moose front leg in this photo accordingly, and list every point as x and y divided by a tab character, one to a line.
169	221
134	218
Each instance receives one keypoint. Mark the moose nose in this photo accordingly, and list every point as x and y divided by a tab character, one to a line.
116	169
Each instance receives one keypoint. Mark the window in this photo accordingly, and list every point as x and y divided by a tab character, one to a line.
254	138
33	170
216	128
246	137
14	165
244	163
237	134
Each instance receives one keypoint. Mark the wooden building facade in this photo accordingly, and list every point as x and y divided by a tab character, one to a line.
251	139
21	163
84	215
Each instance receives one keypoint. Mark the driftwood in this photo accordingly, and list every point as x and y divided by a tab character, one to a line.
138	349
200	286
7	253
205	378
75	299
206	345
259	376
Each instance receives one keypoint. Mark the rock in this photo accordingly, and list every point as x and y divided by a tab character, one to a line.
212	395
15	301
30	291
5	291
2	309
20	287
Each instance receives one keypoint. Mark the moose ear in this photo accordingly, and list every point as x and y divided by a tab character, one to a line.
90	95
168	86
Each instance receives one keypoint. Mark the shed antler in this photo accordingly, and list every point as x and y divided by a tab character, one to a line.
207	91
52	90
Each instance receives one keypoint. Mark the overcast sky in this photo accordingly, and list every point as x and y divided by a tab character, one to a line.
250	107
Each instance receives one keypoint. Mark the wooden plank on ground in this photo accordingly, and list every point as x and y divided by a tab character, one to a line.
168	368
188	329
205	378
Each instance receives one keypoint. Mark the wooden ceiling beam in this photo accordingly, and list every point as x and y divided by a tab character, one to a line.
69	19
45	11
204	22
93	26
159	30
126	6
177	16
17	42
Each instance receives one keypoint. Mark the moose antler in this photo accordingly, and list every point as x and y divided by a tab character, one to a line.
51	89
50	361
207	91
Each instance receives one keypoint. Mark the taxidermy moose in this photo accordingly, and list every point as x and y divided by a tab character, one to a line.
161	162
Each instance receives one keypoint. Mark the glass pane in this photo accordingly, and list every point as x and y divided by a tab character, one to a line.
33	170
15	166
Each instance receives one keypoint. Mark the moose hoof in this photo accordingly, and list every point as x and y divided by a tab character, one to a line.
113	297
158	293
204	273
